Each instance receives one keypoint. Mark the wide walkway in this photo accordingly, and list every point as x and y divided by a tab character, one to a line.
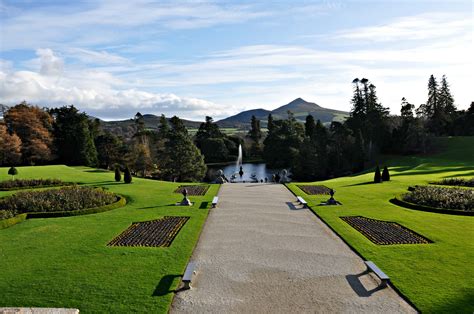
260	252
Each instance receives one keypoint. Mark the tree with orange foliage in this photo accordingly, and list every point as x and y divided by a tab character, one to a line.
33	125
10	147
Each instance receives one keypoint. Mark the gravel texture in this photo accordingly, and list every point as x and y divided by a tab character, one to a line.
261	252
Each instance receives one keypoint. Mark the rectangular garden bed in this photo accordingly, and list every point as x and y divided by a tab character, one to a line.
154	233
384	232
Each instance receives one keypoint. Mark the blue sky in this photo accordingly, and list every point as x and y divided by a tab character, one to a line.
196	58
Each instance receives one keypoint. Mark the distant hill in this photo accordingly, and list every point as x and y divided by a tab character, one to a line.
243	119
299	107
126	127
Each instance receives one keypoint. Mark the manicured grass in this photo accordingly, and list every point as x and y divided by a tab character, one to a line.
437	277
64	262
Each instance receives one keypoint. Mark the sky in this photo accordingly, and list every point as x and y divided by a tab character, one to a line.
113	58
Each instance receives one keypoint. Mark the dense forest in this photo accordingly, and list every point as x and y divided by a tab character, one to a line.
30	135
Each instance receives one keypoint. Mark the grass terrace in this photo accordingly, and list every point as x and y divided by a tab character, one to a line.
65	262
436	277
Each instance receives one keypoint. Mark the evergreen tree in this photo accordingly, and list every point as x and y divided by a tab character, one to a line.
143	161
12	171
127	176
211	141
118	175
385	174
309	126
359	152
255	132
446	100
108	150
183	160
377	175
282	144
270	123
164	127
74	141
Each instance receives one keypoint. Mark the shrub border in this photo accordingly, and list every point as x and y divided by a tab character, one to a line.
38	187
5	223
398	200
122	201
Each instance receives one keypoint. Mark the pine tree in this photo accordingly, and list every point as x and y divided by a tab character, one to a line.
446	100
270	124
127	176
385	174
118	175
377	175
309	126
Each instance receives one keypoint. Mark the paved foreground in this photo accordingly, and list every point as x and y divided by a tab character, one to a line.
259	252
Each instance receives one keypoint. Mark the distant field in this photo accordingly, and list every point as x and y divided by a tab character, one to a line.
437	277
65	262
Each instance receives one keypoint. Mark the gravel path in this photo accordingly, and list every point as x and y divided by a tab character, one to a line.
260	252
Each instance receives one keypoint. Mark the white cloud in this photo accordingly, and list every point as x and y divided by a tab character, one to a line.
418	27
97	93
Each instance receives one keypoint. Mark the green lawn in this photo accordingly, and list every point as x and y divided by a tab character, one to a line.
437	277
64	262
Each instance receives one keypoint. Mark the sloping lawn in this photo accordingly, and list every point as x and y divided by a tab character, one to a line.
437	277
65	262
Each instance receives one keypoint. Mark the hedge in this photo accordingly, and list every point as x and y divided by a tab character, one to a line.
5	223
398	200
122	201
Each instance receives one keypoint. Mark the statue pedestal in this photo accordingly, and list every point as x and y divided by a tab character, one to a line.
185	202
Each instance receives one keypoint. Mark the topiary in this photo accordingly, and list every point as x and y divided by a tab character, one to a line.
127	176
12	171
385	174
118	175
377	176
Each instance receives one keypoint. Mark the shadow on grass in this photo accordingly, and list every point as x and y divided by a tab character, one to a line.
204	205
363	183
163	287
158	206
98	171
425	172
359	288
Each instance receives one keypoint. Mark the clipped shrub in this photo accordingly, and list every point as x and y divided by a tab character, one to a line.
63	199
30	183
385	174
5	223
377	176
118	175
12	171
127	176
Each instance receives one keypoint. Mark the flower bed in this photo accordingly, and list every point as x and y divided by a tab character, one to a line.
193	189
18	184
315	189
438	199
57	200
154	233
456	182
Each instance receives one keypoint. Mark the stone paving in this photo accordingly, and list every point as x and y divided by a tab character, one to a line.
261	252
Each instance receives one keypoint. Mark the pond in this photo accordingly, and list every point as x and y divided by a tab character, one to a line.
260	171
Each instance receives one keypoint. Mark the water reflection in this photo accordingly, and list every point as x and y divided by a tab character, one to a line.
258	171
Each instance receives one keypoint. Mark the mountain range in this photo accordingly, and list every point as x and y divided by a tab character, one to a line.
299	107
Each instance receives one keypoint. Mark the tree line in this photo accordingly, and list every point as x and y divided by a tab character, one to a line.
30	135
